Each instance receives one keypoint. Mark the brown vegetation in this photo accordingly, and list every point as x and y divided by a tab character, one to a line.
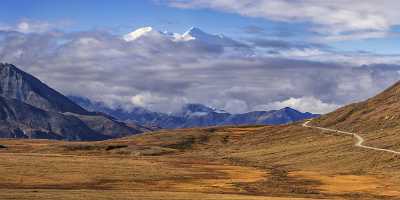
217	163
253	162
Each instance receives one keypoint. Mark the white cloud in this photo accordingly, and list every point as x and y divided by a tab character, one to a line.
236	106
345	58
304	104
30	26
162	74
146	99
340	19
157	102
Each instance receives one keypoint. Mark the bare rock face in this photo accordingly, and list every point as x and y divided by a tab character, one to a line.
20	120
31	109
17	84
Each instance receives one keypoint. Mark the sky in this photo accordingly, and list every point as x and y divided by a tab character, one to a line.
241	55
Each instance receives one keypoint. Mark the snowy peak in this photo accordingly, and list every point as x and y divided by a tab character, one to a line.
195	109
193	31
197	34
192	110
151	32
193	34
138	33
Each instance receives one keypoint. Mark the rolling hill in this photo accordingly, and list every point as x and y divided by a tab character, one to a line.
376	119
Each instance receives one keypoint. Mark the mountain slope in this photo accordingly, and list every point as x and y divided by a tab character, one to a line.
196	34
106	125
17	84
376	120
31	109
21	120
377	113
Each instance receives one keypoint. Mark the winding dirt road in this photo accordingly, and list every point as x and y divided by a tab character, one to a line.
359	142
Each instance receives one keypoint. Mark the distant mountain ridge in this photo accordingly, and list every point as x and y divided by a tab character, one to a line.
31	109
196	115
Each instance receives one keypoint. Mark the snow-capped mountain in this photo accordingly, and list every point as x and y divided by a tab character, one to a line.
132	36
197	115
194	34
190	110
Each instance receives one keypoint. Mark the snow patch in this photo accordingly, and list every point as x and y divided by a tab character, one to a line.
132	36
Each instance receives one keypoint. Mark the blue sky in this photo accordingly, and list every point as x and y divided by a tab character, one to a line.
123	16
311	55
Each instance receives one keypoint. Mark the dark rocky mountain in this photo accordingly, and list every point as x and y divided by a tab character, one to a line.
31	109
273	117
17	84
196	115
21	120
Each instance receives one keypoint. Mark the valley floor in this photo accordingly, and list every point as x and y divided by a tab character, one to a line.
257	162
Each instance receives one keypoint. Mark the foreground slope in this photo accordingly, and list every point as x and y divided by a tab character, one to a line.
376	119
256	162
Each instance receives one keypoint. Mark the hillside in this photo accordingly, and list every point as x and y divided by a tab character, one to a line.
377	119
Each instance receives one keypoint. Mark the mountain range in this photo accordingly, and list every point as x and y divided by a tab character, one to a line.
194	36
31	109
195	115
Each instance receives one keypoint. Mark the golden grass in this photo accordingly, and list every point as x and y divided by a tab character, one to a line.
126	195
48	172
339	184
271	162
